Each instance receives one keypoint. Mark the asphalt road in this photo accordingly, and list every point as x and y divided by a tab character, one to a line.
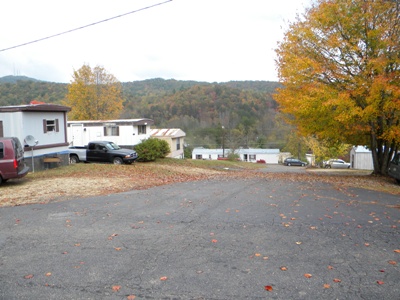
229	239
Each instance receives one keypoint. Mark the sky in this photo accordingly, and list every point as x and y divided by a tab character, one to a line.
201	40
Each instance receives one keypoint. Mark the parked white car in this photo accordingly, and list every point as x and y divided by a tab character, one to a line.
337	164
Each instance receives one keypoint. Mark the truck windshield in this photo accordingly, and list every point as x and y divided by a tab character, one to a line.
112	146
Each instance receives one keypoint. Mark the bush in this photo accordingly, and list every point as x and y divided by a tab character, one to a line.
151	149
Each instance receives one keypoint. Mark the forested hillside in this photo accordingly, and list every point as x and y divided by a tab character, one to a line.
243	112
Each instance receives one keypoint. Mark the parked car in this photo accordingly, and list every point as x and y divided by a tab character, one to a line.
394	168
102	151
337	164
12	163
294	162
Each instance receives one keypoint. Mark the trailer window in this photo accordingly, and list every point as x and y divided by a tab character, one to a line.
111	131
141	129
50	125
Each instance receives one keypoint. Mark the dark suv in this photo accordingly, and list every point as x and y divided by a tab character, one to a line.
294	162
12	164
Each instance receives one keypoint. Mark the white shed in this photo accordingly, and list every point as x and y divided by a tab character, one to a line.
361	158
124	132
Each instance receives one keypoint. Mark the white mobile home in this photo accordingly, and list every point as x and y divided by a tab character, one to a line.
361	158
269	156
42	129
175	139
124	132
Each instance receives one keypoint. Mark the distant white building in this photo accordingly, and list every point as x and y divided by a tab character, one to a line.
124	132
175	138
361	158
270	156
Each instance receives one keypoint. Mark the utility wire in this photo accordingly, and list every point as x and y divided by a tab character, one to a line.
85	26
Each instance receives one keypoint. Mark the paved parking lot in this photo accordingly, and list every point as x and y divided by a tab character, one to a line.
225	239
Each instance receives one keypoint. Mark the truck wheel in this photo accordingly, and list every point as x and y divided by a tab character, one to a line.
117	161
73	159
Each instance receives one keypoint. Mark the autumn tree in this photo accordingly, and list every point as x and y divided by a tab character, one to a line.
94	94
339	64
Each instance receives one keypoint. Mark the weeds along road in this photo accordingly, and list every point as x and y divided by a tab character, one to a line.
232	238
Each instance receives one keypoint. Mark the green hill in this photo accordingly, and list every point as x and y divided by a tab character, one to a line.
246	109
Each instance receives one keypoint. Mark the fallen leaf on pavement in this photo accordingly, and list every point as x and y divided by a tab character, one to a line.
392	262
327	286
283	268
307	275
337	280
131	297
163	278
380	282
28	276
48	274
397	250
268	288
214	241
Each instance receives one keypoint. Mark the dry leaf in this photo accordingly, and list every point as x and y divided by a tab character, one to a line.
131	297
283	268
28	276
163	278
392	262
116	288
330	267
337	280
397	250
327	286
307	275
48	274
268	288
257	254
214	241
298	243
118	248
380	282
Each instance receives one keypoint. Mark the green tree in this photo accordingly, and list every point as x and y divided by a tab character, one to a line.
151	149
94	94
339	64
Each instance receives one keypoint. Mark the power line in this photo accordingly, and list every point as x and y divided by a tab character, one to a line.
85	26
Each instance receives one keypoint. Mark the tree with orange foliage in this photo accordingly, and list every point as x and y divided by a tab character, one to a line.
339	64
94	95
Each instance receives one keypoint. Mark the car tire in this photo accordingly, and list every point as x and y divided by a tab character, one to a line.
73	159
289	164
328	167
117	161
303	165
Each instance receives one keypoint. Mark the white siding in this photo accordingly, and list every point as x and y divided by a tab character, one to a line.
128	134
33	125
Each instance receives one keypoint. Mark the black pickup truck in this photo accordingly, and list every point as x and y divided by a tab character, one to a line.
101	151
